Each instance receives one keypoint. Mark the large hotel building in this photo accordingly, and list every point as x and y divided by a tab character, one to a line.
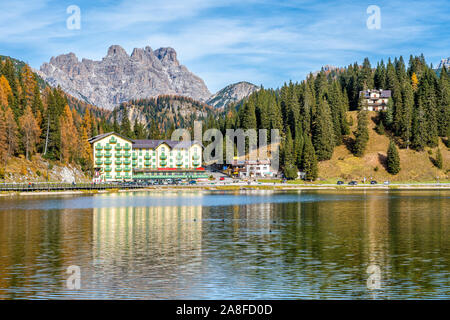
118	158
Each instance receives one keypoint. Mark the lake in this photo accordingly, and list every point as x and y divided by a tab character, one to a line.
227	245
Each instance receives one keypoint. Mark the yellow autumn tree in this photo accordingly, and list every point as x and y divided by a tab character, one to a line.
3	141
87	122
69	136
5	91
30	131
29	84
414	81
11	132
85	151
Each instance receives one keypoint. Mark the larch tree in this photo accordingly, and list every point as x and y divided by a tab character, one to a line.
11	132
69	136
3	137
5	91
30	131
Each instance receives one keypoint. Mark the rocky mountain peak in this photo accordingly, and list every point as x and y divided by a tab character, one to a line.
120	77
167	56
232	93
116	51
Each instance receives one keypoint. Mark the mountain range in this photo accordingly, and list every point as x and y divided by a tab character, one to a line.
144	74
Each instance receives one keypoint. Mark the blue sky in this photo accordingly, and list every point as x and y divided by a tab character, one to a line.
263	42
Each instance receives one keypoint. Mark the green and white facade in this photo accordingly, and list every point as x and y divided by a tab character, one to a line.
118	158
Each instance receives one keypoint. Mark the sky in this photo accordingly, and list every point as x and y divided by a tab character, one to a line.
264	42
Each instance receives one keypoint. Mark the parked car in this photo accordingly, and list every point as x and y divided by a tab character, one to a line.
373	182
222	178
352	183
340	182
387	182
192	182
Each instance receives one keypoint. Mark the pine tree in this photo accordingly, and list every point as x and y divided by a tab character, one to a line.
125	126
443	103
361	134
289	169
116	127
323	133
30	131
309	162
426	100
405	113
439	161
298	145
154	133
393	159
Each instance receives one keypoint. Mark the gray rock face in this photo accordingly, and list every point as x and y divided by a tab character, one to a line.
444	63
119	77
232	93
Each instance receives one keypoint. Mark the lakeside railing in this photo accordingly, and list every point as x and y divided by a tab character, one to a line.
25	187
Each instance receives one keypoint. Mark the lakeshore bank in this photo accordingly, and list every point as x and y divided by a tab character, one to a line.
240	187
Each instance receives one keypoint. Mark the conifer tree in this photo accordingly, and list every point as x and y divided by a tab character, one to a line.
298	145
361	134
323	133
154	133
393	159
30	131
125	126
69	136
439	161
404	114
11	131
3	137
309	162
443	103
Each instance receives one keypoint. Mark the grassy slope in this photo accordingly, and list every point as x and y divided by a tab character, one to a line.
415	166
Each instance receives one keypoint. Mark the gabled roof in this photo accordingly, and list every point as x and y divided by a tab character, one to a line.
104	135
153	144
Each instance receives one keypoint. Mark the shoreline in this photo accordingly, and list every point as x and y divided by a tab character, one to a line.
231	187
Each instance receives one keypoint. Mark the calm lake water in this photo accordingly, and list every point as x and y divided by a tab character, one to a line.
227	245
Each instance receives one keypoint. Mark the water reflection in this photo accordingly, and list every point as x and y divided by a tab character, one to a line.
279	245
